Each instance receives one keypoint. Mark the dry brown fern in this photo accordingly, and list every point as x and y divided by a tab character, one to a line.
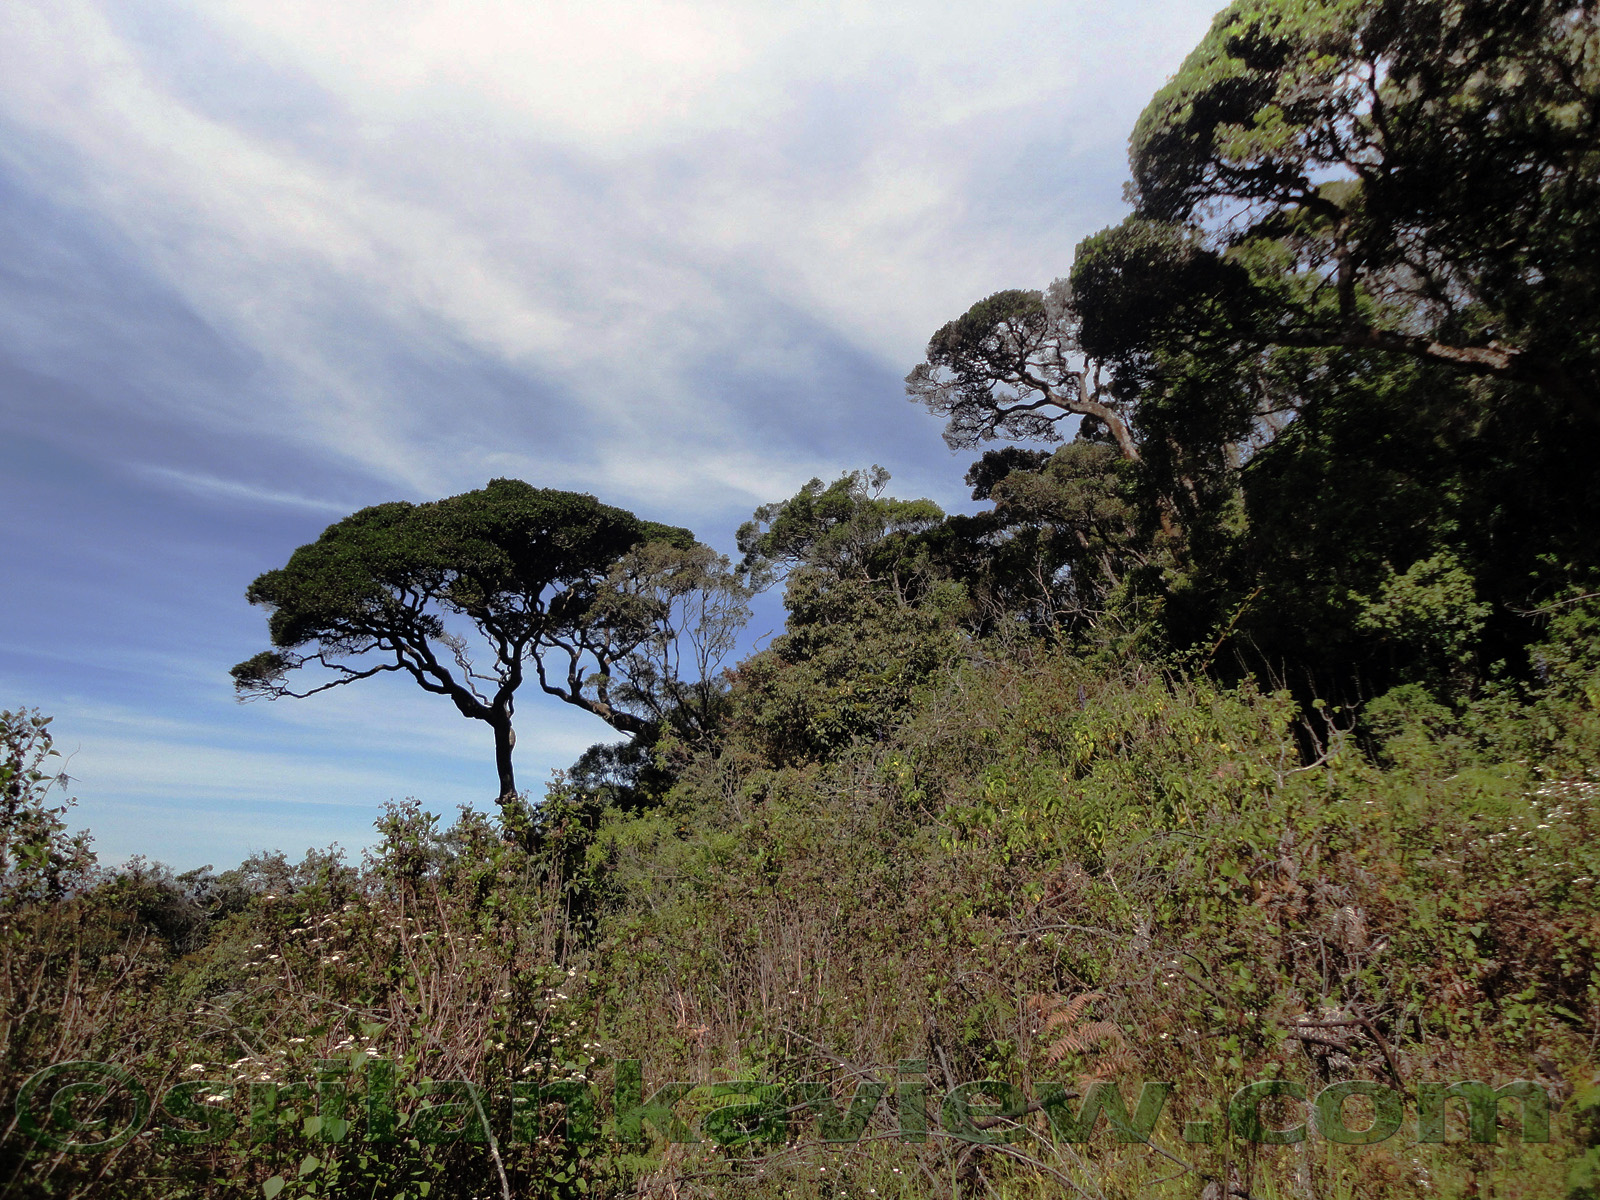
1074	1033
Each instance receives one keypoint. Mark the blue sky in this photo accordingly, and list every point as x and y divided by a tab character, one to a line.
264	264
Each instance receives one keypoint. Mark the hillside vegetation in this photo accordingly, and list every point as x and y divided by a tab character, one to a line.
1249	733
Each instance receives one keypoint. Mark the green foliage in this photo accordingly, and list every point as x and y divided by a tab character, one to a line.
297	998
1253	734
871	616
846	669
1434	163
1567	657
1348	328
39	858
989	346
1060	547
1583	1180
1046	870
848	529
1014	366
1142	282
690	605
500	553
995	465
1010	862
1431	611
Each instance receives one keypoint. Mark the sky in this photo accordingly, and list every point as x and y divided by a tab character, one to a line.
262	265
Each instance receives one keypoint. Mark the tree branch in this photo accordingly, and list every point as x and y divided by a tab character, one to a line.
1495	360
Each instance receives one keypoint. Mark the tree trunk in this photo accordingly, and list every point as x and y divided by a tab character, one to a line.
1494	360
504	740
1085	406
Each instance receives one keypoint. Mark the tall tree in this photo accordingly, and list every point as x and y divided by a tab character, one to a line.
1058	543
1020	364
870	616
1013	366
692	604
1416	177
1352	327
1411	189
585	593
847	530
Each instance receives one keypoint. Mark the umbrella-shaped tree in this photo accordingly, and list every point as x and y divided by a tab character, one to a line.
473	594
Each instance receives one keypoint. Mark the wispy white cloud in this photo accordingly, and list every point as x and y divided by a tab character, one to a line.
601	193
677	253
211	487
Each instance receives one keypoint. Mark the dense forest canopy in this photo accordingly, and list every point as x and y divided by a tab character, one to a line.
1345	344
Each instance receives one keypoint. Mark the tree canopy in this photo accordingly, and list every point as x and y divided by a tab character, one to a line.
1347	345
1014	366
848	529
585	593
1418	177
